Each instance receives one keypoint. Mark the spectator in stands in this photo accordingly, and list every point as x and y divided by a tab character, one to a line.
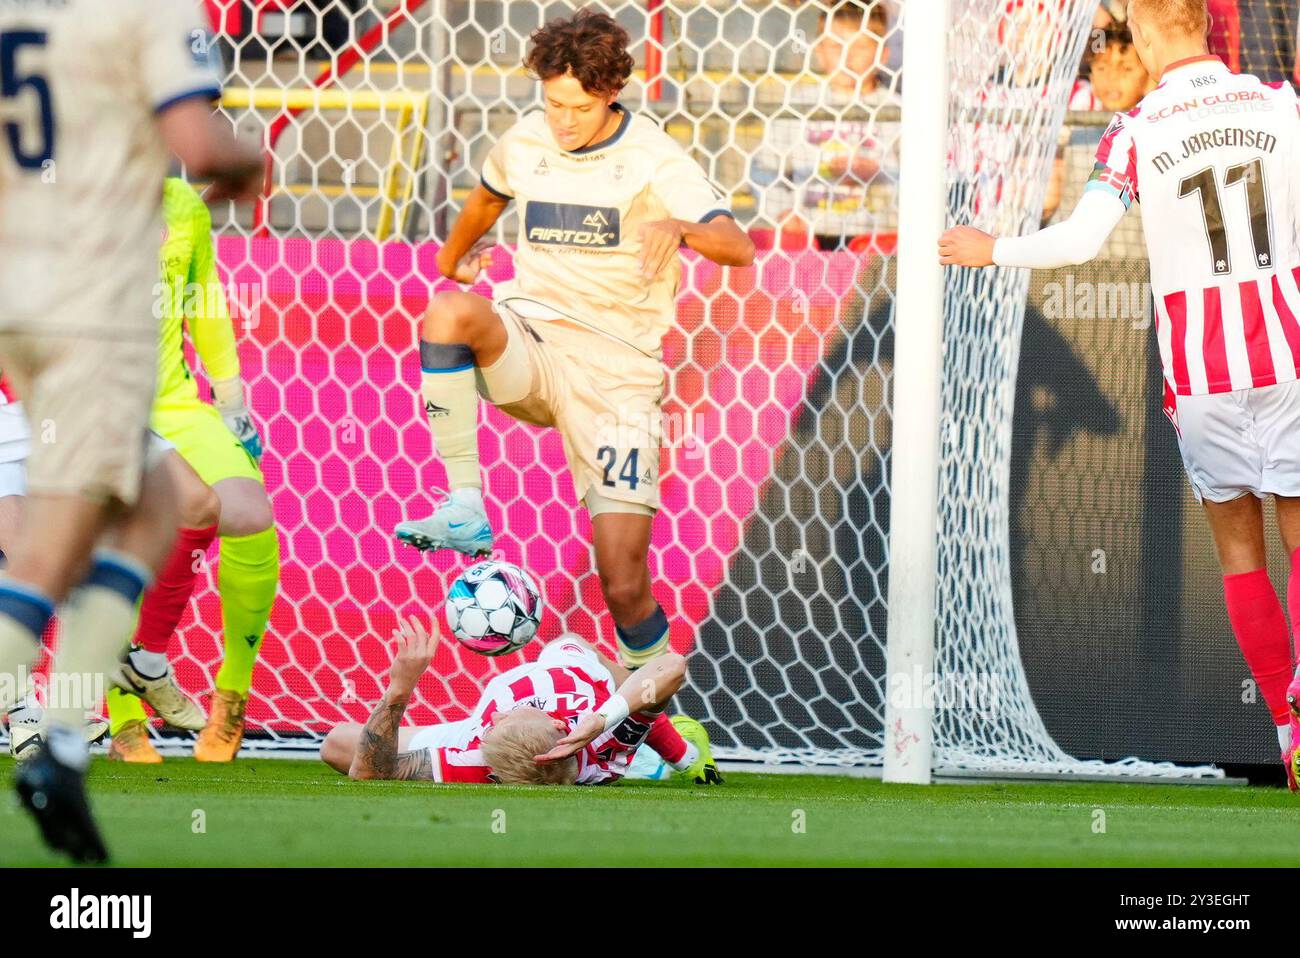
1118	82
834	179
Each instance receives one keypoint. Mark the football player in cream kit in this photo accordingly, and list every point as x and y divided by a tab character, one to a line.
1213	157
605	199
94	97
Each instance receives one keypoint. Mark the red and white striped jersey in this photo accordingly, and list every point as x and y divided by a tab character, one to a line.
1214	158
567	682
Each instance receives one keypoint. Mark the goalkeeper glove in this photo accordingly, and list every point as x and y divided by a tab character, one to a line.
228	397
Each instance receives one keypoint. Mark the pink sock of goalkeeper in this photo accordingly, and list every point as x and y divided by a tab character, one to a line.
1261	629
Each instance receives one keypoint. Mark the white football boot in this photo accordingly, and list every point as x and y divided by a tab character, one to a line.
26	722
161	692
459	523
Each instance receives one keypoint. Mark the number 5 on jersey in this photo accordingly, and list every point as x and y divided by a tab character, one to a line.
14	82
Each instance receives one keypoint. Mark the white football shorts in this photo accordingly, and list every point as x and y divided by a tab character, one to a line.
1241	442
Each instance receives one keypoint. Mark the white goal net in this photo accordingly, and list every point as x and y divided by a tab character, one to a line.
770	555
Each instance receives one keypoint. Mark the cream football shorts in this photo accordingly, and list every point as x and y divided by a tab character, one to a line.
1241	442
88	400
603	397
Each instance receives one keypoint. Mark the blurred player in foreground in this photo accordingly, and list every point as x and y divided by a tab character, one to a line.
1216	159
26	717
573	342
103	99
572	717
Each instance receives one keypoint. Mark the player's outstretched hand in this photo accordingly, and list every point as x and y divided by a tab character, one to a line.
966	246
415	647
660	240
474	262
586	730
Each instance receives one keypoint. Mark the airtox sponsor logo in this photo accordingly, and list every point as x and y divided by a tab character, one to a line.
570	224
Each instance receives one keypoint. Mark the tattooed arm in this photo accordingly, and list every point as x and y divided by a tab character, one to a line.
377	755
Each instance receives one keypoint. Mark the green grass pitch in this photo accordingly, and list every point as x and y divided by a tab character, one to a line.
273	812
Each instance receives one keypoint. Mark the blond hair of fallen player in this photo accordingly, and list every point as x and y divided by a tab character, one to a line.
573	342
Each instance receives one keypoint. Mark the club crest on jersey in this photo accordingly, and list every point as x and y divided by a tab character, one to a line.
571	224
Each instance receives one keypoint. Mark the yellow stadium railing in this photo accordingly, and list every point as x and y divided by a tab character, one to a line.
409	134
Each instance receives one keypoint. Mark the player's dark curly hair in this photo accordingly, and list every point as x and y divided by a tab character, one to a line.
591	46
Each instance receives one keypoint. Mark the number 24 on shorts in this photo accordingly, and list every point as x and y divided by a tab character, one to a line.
627	473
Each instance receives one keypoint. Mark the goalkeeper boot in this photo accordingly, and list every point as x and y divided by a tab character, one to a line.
704	771
219	741
161	692
131	744
54	791
458	523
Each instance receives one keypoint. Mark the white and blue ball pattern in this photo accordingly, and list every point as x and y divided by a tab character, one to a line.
494	608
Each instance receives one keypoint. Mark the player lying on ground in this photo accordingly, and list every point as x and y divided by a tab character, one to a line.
111	96
1216	158
572	717
573	342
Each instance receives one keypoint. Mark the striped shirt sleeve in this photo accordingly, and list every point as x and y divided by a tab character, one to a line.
1115	170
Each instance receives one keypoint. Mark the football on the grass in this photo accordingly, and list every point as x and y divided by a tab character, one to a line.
494	608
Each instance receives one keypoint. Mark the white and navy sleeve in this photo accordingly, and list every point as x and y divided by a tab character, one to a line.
178	58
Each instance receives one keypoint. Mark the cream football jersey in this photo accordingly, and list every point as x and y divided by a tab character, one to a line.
82	159
579	215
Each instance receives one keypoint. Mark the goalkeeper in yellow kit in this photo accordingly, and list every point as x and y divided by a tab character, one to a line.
220	443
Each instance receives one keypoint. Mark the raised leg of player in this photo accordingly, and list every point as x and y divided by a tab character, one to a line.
1256	614
460	332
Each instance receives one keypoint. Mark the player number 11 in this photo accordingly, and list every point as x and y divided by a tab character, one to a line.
1203	184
